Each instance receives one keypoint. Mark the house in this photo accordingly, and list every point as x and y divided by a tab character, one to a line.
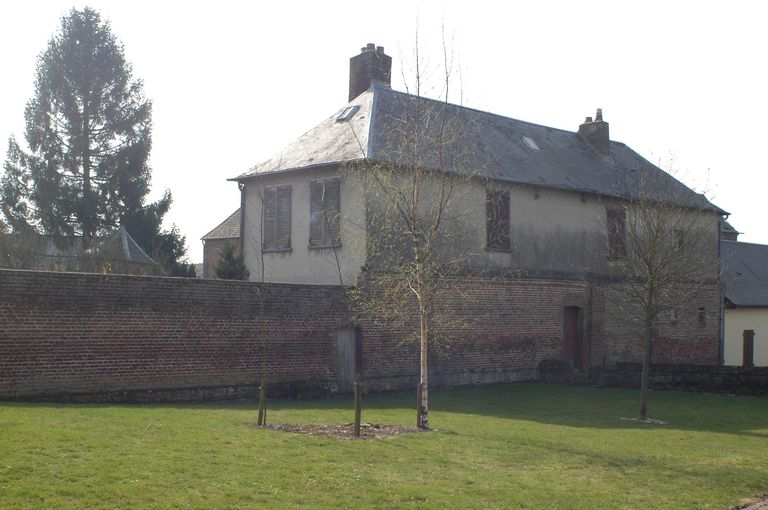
116	252
535	280
228	231
745	279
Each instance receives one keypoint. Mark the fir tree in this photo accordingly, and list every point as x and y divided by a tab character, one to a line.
231	266
88	129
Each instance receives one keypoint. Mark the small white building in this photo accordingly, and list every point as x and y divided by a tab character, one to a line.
745	277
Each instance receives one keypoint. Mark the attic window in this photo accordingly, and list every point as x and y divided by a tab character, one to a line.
531	144
347	114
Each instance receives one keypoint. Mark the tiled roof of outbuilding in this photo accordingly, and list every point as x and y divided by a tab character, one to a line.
227	229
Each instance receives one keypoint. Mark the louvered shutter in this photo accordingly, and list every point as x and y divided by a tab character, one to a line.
270	219
316	213
331	207
283	220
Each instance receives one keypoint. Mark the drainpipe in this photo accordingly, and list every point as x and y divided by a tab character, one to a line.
720	281
241	187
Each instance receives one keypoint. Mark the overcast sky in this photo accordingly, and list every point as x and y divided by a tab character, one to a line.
682	83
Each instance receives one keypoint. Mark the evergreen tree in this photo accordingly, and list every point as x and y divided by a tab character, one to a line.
88	128
230	266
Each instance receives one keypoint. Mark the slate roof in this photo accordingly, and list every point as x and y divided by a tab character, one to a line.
728	232
486	145
119	245
745	273
227	229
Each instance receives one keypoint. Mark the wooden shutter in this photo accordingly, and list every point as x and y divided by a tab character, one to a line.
324	212
617	225
316	213
497	220
283	221
332	209
269	229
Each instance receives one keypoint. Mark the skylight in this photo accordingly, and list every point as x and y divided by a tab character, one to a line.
531	144
347	114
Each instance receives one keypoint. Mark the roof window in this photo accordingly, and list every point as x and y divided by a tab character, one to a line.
347	114
531	144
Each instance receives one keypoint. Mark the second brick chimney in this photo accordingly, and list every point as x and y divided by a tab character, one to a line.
372	64
596	132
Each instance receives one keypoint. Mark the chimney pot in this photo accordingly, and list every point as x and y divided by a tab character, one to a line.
596	133
372	64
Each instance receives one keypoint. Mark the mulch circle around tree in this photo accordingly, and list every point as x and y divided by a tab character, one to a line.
761	503
345	431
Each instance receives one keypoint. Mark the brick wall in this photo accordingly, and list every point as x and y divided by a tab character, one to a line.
500	330
64	333
679	337
211	249
109	337
497	330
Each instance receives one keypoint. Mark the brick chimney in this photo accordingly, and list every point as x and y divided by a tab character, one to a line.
596	132
369	66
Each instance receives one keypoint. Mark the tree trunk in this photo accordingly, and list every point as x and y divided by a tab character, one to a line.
88	202
647	334
423	405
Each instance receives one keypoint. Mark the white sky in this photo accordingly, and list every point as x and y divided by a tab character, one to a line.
233	82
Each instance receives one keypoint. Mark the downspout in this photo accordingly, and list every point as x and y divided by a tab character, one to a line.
241	187
722	297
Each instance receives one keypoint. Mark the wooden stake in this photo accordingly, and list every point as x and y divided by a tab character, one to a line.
358	404
262	404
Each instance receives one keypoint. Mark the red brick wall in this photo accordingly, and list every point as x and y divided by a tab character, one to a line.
499	330
63	333
617	337
67	333
211	248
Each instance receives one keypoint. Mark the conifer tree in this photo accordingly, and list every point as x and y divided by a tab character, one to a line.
89	133
230	266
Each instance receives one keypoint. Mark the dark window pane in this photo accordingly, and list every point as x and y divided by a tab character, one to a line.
617	225
497	219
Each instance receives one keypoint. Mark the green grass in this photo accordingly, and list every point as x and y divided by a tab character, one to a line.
501	446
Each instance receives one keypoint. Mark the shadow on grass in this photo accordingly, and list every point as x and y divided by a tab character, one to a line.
571	406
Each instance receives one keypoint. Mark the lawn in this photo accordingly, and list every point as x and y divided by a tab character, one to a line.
501	446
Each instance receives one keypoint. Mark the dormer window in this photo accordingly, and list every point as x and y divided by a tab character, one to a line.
348	113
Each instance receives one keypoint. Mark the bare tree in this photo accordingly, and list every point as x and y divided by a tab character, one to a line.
413	229
664	245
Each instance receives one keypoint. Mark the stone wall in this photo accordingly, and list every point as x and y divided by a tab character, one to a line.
704	378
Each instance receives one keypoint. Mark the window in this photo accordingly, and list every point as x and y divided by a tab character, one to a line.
347	114
324	213
701	316
497	220
679	239
277	218
617	225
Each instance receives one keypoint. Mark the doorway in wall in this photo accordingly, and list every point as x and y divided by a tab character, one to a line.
574	347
